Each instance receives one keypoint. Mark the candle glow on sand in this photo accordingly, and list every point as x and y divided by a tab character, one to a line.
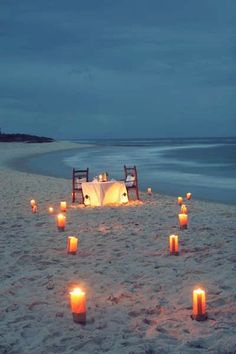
174	244
72	244
199	305
63	206
61	222
78	305
50	210
183	221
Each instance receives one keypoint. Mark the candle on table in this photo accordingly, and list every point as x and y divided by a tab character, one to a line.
63	206
199	305
174	244
72	244
188	195
184	209
78	305
180	200
149	191
61	222
100	178
183	221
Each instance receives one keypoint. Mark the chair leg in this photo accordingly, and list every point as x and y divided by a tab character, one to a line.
127	193
73	197
82	196
137	193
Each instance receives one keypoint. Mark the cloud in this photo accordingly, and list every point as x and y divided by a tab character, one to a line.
115	68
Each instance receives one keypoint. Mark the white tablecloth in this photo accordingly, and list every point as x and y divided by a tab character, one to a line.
104	193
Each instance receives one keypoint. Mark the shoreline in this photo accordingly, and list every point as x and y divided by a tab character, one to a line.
19	163
35	149
139	298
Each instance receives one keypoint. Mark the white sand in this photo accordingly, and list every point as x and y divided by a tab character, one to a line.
139	299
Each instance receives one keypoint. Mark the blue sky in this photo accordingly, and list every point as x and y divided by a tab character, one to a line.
127	68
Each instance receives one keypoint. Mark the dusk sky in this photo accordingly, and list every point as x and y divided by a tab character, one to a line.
125	68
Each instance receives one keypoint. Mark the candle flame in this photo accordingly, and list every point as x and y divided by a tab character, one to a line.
77	291
199	291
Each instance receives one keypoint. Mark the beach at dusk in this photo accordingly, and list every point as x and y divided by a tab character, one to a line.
118	177
139	297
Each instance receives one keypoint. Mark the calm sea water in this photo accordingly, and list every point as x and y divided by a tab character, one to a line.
205	167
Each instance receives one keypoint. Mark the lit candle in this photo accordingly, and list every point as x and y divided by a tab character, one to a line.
100	178
183	221
78	305
174	244
32	202
180	200
63	206
50	210
87	201
149	191
199	305
124	198
72	244
188	195
184	209
61	222
34	208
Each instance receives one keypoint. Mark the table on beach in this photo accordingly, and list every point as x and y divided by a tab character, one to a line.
104	193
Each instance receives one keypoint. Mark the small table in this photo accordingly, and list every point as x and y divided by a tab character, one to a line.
104	193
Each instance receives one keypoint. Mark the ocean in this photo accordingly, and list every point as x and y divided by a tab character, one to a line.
205	167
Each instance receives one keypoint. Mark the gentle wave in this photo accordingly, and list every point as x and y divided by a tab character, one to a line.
206	167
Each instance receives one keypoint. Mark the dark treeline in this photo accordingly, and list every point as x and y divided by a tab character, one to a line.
24	138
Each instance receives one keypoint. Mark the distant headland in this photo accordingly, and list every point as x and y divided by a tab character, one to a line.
27	138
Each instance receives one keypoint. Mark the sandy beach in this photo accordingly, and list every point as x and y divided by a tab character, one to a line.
139	298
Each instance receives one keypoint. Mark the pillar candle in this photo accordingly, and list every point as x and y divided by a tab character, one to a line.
72	244
78	305
32	202
199	305
87	200
63	206
174	244
188	195
183	209
180	200
149	190
124	198
183	221
34	208
61	222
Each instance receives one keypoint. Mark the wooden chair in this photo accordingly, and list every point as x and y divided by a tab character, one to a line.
131	180
78	177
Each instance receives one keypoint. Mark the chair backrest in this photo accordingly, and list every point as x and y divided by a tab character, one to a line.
131	175
79	176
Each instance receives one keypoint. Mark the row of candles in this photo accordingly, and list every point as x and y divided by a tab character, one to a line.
183	215
78	296
78	305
